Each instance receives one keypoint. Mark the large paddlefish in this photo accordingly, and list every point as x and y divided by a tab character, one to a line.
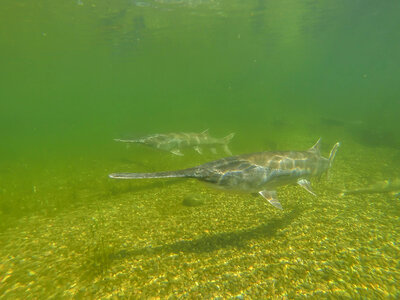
260	172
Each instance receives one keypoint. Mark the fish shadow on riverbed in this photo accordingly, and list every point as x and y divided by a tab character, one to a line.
217	241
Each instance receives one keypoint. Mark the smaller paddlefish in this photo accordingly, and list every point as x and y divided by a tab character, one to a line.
386	186
260	172
175	142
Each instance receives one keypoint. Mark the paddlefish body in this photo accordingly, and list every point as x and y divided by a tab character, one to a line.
175	142
260	172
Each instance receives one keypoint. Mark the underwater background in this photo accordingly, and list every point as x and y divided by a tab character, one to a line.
76	74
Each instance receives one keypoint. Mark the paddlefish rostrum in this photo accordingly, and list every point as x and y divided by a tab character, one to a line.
386	186
259	172
175	142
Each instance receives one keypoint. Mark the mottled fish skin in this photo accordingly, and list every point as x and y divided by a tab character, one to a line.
259	172
264	170
386	186
174	142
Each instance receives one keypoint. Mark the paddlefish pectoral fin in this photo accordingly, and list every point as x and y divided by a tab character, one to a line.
272	198
198	149
304	183
176	152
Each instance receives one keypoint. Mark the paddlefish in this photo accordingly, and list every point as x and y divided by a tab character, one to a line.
261	172
386	186
175	142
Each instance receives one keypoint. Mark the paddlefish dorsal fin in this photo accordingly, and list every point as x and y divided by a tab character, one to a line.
316	148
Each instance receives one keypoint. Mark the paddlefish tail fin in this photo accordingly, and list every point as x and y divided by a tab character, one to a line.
186	173
225	141
332	157
228	138
333	153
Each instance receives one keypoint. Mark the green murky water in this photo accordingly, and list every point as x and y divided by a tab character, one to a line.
280	74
